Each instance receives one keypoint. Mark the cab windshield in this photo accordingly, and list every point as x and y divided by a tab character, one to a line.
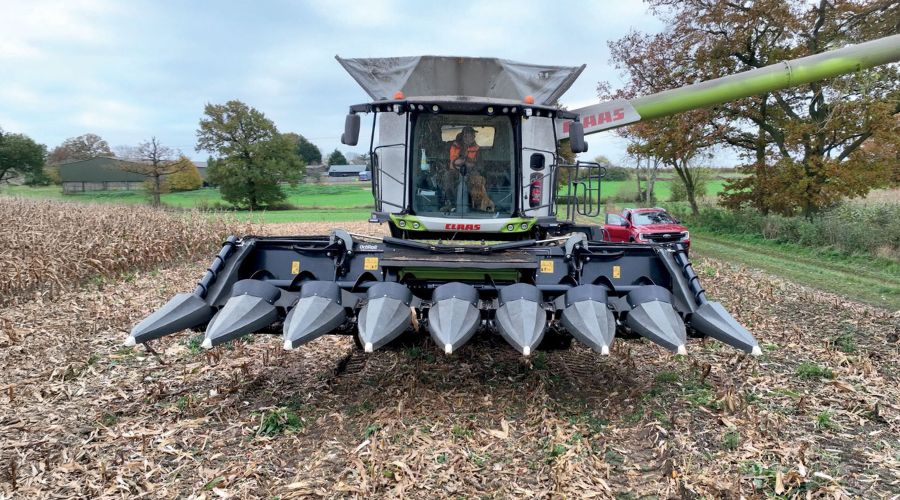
644	218
463	166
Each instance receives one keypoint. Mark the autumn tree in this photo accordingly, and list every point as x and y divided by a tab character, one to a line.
185	178
20	156
803	143
154	161
252	156
83	147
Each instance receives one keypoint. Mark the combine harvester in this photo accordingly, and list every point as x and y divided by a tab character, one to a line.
466	173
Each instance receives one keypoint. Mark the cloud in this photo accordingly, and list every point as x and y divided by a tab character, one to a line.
29	29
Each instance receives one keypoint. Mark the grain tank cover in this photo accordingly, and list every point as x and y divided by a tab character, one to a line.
484	77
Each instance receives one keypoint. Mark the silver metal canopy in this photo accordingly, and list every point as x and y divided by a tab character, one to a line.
487	77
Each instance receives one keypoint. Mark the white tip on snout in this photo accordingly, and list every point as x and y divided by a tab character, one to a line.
369	347
526	351
756	351
604	350
287	345
207	344
129	342
448	349
682	350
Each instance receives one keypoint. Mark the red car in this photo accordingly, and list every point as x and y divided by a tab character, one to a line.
646	225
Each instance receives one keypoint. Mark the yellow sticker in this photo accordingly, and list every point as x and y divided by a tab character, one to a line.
546	266
295	267
370	264
617	272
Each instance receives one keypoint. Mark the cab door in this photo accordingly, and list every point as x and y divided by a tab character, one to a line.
617	228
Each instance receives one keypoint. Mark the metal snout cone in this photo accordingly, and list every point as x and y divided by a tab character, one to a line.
712	319
521	317
385	316
588	318
453	318
250	308
318	312
652	316
183	311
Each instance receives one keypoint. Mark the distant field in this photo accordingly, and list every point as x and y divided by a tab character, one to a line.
314	202
662	189
343	202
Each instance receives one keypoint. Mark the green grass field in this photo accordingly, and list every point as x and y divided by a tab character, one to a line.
871	280
662	189
315	202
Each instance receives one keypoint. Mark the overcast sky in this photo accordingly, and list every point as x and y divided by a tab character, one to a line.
131	70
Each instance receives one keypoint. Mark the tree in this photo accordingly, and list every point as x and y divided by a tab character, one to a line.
306	150
613	172
20	156
336	158
803	142
253	157
154	161
83	147
186	178
359	159
654	63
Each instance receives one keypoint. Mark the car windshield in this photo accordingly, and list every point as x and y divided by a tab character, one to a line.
463	166
643	218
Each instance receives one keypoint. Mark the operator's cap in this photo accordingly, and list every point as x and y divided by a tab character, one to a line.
468	129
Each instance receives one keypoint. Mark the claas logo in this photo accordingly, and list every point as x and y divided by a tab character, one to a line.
463	227
598	119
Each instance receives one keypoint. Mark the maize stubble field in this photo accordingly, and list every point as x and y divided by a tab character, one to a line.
818	414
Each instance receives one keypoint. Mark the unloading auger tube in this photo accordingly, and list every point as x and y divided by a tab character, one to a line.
532	276
306	287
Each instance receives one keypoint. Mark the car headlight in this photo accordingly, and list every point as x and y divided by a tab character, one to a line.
640	237
687	236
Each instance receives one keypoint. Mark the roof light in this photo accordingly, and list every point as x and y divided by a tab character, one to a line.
398	95
529	99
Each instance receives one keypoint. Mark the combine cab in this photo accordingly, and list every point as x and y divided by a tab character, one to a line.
490	230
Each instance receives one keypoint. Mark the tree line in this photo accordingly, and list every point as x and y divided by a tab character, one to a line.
251	158
804	148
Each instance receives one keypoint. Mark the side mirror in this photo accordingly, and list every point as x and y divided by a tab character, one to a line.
537	161
351	130
576	138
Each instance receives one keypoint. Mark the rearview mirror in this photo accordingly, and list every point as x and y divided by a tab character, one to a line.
576	138
351	130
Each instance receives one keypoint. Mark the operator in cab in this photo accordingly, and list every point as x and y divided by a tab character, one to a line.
463	160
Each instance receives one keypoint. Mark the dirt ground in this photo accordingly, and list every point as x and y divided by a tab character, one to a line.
80	416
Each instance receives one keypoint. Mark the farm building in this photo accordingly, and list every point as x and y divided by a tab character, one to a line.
345	170
99	174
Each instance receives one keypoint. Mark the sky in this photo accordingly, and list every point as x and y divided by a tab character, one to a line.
132	70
